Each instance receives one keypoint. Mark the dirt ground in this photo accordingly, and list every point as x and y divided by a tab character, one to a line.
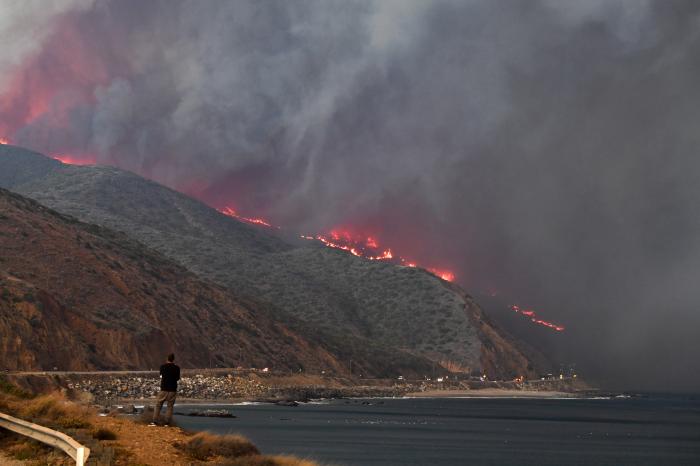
146	445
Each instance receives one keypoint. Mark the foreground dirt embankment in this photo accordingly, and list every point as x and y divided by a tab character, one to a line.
130	441
115	440
140	444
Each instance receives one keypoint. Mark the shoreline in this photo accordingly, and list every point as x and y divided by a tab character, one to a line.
234	387
494	393
435	394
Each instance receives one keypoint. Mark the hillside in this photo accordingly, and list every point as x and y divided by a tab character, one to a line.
77	296
331	293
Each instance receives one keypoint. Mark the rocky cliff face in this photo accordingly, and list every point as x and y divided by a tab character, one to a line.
35	329
342	299
77	296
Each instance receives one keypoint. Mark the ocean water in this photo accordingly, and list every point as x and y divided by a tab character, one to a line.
645	430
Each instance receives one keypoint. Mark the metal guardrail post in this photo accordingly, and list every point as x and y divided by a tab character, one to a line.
71	447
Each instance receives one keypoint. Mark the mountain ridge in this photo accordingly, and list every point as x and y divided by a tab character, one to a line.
78	297
407	308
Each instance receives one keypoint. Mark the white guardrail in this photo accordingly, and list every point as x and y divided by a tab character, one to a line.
48	436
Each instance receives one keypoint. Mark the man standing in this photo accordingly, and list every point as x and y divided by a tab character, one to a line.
169	375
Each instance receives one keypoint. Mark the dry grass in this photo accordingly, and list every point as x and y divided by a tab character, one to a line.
25	449
55	410
204	445
266	461
52	411
291	461
234	450
33	453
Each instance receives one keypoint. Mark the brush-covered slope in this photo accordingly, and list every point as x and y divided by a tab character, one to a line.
78	296
340	295
19	166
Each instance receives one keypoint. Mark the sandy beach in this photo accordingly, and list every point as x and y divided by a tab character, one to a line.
491	393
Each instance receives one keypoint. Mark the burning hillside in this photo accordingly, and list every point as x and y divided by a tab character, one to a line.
63	158
355	305
364	246
532	316
254	220
357	245
368	247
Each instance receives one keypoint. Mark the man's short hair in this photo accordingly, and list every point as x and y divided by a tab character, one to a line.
171	357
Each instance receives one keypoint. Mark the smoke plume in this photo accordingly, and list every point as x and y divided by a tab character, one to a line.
545	149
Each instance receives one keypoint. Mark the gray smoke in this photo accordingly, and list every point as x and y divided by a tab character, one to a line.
545	148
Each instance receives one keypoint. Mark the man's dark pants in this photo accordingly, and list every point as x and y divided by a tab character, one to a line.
164	396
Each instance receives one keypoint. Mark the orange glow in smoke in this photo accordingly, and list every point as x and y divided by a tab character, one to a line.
532	315
62	76
71	160
36	95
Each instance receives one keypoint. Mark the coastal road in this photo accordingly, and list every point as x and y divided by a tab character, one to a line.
226	370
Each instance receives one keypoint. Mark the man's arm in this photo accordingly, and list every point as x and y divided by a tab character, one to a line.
177	376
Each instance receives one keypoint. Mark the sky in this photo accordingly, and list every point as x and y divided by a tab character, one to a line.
544	150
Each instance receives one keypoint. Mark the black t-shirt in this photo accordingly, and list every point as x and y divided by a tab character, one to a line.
169	375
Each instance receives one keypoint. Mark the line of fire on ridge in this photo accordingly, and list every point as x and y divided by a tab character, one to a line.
365	247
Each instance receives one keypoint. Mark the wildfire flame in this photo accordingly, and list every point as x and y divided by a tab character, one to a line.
532	315
369	248
357	246
66	159
254	220
444	274
71	160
